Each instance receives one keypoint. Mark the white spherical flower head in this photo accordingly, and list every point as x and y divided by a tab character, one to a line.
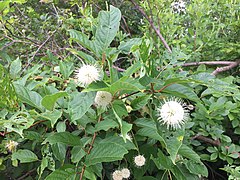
139	160
87	74
117	175
11	145
125	173
103	99
172	114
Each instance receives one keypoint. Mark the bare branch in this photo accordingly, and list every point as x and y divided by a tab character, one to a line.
226	68
152	25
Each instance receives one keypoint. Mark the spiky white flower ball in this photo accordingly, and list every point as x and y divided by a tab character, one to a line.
125	173
87	74
172	113
139	160
103	99
11	145
117	175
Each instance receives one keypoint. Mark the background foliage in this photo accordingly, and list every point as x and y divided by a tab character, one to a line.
61	133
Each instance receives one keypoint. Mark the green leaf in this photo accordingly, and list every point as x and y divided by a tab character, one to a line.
126	127
59	151
49	100
173	146
24	155
15	68
108	26
121	85
65	138
178	173
66	69
77	153
119	111
132	69
149	129
83	40
125	47
189	153
162	161
108	150
80	104
65	173
106	125
88	58
182	91
32	98
196	168
52	116
139	102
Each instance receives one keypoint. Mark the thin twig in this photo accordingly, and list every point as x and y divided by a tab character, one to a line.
90	148
29	62
152	25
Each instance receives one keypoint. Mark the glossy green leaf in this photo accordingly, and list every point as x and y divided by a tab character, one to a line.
139	102
80	104
32	98
108	150
173	146
196	168
15	68
77	153
148	129
49	101
189	153
64	173
106	125
125	46
182	91
52	116
65	138
108	26
25	156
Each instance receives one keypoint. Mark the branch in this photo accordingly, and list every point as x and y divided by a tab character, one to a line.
90	148
228	65
39	49
208	63
152	25
226	68
212	142
207	140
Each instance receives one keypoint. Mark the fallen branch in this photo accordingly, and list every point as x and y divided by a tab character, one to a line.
152	25
207	140
226	68
212	142
228	65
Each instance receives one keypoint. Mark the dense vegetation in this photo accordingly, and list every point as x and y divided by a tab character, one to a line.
124	89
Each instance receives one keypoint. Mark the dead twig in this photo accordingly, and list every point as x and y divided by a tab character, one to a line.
152	25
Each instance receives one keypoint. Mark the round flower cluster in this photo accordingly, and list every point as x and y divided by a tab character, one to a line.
179	7
103	99
87	74
11	145
172	113
139	160
120	174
